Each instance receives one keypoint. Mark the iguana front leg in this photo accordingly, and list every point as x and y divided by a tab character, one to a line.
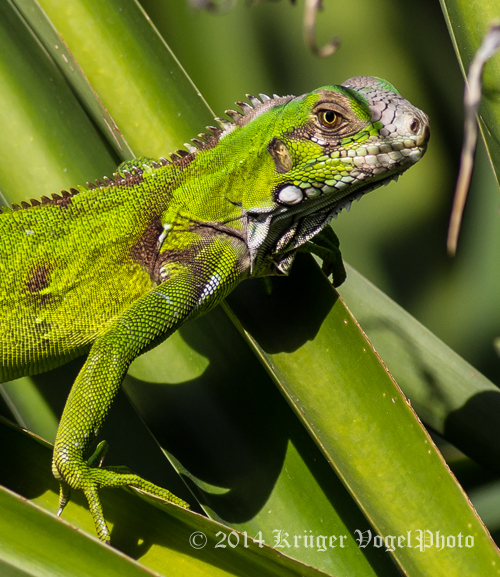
326	245
190	289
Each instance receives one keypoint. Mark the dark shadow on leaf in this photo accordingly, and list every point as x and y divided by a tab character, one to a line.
341	500
374	325
292	314
18	452
229	427
463	427
475	442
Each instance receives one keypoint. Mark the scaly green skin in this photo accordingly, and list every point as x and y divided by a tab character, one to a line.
114	270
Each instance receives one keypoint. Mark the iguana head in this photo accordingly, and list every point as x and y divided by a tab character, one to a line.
326	148
348	136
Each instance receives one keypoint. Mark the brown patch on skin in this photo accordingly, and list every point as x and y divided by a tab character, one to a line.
174	256
180	256
185	160
208	232
63	201
38	280
281	155
145	250
129	181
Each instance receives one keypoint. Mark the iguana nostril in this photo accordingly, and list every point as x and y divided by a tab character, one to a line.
414	125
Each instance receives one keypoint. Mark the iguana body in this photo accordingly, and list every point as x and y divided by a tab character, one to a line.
116	269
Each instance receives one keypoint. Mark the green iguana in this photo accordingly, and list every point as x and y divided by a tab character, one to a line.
114	269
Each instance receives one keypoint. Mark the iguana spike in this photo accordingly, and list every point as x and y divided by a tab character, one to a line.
190	147
16	207
233	115
138	171
164	161
73	191
214	130
209	140
127	174
25	204
45	199
91	186
198	142
65	194
182	153
254	100
109	181
155	164
55	196
118	178
99	183
245	107
223	123
264	97
35	202
173	157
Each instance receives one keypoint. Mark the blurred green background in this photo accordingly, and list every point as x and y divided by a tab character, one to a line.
395	236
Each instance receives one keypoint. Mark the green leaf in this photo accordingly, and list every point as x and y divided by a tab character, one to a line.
43	125
248	461
361	421
129	76
468	22
447	393
161	534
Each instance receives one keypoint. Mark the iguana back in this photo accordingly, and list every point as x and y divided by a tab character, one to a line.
68	268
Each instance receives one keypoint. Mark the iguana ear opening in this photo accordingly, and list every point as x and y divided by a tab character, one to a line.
281	155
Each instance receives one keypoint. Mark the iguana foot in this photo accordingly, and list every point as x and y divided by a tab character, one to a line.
325	245
90	477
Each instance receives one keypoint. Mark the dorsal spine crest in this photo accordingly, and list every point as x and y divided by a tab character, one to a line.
204	141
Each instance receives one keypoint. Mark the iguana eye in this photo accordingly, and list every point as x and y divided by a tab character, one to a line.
329	119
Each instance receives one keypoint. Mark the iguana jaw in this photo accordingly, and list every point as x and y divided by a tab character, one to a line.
327	204
305	220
